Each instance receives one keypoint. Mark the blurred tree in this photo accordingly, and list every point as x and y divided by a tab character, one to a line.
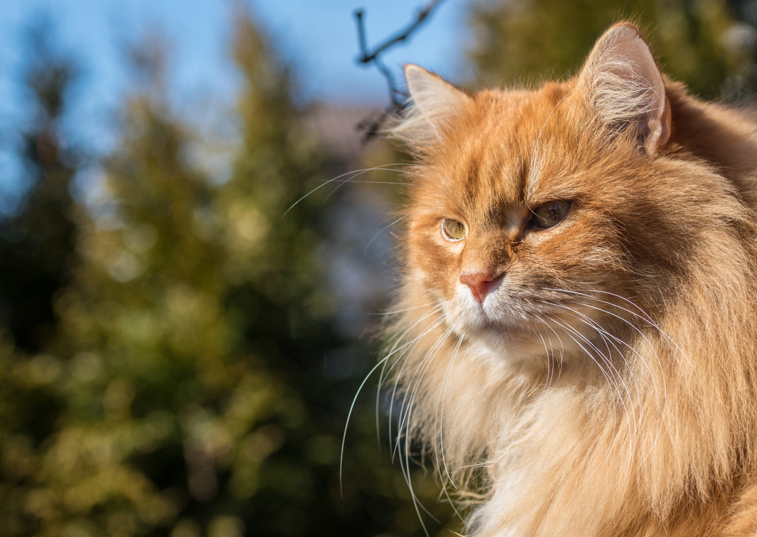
741	40
527	41
37	239
203	382
37	252
285	305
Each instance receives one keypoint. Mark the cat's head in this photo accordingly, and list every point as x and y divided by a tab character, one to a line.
537	216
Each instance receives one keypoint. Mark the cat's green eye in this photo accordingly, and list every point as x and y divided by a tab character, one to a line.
549	214
453	230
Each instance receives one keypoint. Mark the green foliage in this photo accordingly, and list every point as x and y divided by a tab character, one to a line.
520	41
184	391
37	238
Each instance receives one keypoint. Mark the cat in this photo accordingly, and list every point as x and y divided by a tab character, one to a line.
575	330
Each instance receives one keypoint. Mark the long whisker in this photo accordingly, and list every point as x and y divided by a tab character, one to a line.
383	363
405	470
352	174
605	359
349	415
400	219
351	180
660	393
661	405
651	323
399	374
404	465
384	372
602	332
420	370
568	331
548	382
441	412
367	181
646	318
408	348
562	347
407	419
629	347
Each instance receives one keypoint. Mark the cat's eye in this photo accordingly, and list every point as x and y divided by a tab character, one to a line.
453	230
549	214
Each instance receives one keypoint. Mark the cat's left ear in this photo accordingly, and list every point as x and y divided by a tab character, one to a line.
435	103
625	87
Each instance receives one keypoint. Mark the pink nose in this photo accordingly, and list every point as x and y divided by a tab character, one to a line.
480	283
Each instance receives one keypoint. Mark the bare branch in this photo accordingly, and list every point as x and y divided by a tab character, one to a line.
396	95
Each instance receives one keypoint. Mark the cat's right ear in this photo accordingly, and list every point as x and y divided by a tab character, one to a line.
625	88
435	103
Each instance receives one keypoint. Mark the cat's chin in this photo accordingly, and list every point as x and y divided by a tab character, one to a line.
512	345
495	319
502	339
512	337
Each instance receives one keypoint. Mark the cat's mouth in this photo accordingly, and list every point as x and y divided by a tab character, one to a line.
491	321
513	324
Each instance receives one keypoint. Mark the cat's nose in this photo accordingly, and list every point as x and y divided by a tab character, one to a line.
480	283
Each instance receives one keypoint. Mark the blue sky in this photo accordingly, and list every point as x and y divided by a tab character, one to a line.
317	36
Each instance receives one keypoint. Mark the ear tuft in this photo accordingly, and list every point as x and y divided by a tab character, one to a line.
435	103
625	87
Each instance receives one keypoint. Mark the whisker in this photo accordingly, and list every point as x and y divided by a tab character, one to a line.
400	219
353	174
645	317
394	349
405	469
548	382
375	168
568	331
399	374
349	415
420	370
660	393
601	331
407	418
643	336
402	311
440	406
365	182
661	405
606	359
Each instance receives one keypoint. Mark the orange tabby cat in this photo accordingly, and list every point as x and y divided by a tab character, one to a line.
577	320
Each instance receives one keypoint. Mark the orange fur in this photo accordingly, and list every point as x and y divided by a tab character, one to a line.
607	384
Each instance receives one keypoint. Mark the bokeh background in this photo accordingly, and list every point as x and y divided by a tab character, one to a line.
193	263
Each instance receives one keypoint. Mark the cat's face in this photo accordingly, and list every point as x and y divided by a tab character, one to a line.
531	222
497	223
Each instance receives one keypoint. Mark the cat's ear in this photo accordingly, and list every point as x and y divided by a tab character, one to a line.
435	103
625	87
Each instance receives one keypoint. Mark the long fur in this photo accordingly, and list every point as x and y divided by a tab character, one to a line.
617	394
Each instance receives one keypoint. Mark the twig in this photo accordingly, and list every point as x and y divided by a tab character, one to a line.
396	95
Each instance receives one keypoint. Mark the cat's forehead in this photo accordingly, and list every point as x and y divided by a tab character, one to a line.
509	146
517	121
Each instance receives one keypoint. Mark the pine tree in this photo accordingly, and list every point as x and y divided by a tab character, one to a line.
188	367
37	251
526	42
37	239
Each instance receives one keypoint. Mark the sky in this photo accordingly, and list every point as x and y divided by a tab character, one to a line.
318	36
